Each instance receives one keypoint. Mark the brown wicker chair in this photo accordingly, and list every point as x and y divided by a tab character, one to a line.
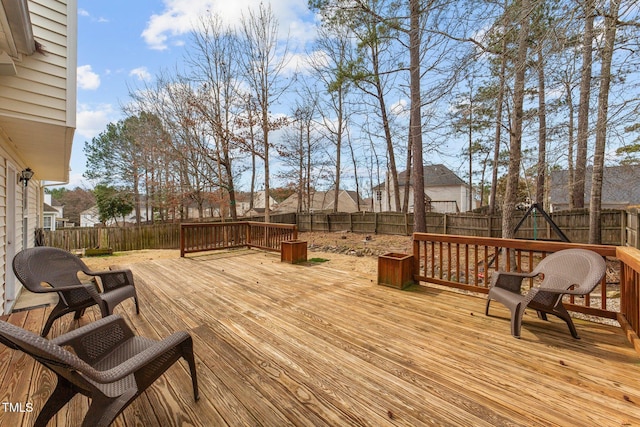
59	269
111	365
570	271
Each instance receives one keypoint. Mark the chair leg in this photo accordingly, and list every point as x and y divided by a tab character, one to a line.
516	320
137	304
61	395
187	354
486	310
58	310
563	314
103	410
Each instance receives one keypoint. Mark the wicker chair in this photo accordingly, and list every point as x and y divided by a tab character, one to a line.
59	269
111	365
570	271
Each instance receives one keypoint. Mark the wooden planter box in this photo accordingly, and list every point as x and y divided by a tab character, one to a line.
98	252
293	251
395	270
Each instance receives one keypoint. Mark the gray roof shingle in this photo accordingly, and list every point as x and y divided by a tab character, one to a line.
620	185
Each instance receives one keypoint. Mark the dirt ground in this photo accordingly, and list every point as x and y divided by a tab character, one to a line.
343	251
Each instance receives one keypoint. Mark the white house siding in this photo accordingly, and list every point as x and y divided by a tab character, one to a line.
41	89
11	165
23	238
457	194
37	111
3	227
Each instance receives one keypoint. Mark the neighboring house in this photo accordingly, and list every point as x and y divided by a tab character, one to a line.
620	188
53	214
37	119
325	201
445	191
91	218
243	205
50	213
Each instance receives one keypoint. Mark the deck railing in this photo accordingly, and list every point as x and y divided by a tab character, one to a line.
467	262
200	237
629	316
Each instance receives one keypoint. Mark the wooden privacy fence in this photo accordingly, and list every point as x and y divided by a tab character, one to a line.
575	224
618	228
199	237
157	236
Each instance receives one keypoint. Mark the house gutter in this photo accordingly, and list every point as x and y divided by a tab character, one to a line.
17	13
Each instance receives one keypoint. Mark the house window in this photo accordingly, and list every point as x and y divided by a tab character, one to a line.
47	223
379	196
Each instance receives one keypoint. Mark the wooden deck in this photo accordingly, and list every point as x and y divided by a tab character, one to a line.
279	344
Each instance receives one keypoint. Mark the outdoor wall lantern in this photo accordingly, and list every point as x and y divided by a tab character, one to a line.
26	175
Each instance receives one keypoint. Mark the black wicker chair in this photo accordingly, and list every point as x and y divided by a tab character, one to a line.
111	365
59	269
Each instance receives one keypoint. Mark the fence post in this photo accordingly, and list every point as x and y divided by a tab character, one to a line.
182	241
406	224
489	223
623	228
375	220
637	217
104	238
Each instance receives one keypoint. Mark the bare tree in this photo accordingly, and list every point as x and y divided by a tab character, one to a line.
263	61
610	27
299	147
212	59
515	145
583	108
332	70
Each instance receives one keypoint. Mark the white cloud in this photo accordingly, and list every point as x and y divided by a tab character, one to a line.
87	79
91	120
142	73
179	17
400	108
87	14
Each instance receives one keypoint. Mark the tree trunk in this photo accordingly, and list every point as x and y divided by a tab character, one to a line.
583	108
419	218
515	146
595	234
498	134
338	149
571	144
387	131
407	178
542	132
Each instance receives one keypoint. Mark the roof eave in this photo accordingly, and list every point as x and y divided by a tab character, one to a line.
21	30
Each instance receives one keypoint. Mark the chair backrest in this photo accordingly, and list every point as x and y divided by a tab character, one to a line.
580	268
54	266
44	351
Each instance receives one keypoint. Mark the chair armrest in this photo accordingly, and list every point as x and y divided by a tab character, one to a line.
109	332
113	279
510	280
139	361
563	291
44	289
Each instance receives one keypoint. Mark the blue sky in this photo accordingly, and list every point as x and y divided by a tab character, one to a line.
123	43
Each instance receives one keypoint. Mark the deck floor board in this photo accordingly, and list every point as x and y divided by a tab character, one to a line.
308	345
